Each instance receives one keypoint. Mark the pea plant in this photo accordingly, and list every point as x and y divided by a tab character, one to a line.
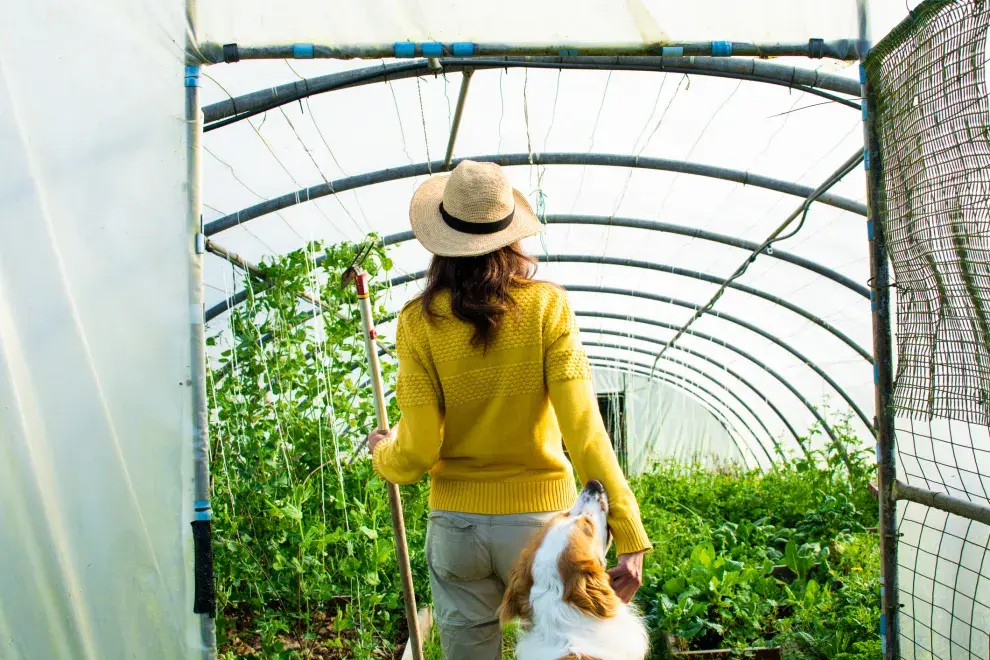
305	561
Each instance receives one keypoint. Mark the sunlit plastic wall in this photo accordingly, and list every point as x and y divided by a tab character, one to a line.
95	430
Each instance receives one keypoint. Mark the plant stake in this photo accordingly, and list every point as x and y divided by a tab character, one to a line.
361	283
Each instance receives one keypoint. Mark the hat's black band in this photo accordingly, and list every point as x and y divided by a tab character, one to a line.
475	227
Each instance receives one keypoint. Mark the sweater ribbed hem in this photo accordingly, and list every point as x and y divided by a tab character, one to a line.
502	498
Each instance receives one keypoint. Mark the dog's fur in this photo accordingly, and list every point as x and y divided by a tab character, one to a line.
561	594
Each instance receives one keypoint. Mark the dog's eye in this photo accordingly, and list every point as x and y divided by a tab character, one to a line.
587	526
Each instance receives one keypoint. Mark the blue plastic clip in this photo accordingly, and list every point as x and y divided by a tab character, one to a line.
721	48
883	625
862	74
866	159
869	229
192	76
568	52
302	51
876	448
432	49
876	374
866	110
873	301
672	51
463	49
405	49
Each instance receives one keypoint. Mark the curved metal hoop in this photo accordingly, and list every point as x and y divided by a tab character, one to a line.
228	111
699	335
395	239
673	301
701	356
239	297
709	377
705	235
513	160
681	303
598	360
707	405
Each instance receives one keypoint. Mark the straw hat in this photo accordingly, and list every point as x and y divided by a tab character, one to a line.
472	211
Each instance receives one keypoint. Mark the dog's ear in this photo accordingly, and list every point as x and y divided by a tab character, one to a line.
586	584
515	602
591	592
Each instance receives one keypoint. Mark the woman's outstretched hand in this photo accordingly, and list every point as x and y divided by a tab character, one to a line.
377	436
627	576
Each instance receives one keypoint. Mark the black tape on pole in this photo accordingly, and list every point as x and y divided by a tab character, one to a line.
205	597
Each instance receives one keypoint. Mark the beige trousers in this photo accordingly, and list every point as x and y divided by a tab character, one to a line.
469	556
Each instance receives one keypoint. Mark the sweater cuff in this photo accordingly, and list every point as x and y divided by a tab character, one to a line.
378	457
629	536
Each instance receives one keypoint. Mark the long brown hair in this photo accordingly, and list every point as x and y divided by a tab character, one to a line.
479	287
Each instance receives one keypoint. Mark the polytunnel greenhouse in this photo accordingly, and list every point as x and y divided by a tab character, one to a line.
770	218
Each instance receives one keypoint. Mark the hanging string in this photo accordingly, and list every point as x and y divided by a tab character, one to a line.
426	137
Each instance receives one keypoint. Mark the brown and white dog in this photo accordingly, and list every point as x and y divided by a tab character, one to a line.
561	594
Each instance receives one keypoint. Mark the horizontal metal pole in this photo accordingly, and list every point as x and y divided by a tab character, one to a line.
838	49
756	70
675	379
224	305
254	270
513	160
942	502
710	377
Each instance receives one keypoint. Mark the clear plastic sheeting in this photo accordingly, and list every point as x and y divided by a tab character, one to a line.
95	439
255	22
666	422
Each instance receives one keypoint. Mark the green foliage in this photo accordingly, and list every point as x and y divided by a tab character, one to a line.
305	560
710	596
719	533
838	619
302	531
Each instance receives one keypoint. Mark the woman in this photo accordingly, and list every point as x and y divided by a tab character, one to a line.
491	376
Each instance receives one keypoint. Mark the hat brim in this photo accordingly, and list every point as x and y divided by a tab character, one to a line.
440	239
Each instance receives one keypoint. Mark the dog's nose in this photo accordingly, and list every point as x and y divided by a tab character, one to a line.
595	486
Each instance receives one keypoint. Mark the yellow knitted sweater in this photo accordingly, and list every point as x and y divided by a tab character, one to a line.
487	425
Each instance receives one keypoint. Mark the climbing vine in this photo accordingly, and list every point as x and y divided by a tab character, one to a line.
305	560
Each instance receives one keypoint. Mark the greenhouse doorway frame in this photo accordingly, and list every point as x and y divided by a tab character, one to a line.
715	58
